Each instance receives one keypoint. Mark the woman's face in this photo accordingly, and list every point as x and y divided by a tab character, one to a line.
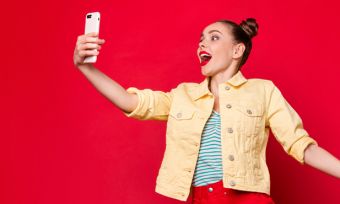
216	50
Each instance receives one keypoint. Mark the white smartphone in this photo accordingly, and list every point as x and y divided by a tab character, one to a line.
92	22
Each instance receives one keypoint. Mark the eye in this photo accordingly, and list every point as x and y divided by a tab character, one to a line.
214	37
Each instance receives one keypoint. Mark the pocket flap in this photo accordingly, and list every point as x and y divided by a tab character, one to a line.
250	110
181	114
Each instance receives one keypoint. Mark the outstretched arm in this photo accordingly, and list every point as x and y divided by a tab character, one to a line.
287	128
322	160
113	91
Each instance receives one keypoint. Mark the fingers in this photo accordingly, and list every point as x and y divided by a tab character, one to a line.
93	34
101	41
90	39
88	42
87	45
85	53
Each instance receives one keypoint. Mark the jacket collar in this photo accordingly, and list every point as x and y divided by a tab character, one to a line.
203	88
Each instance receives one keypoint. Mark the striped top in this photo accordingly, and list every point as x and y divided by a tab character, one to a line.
209	164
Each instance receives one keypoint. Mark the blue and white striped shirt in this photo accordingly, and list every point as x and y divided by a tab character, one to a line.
209	165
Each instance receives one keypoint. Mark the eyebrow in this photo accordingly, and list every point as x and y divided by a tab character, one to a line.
211	32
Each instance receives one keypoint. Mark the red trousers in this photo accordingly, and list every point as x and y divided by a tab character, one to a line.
215	193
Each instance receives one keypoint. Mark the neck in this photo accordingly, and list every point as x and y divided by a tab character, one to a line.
219	79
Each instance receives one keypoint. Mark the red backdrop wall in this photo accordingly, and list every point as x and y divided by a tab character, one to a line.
62	142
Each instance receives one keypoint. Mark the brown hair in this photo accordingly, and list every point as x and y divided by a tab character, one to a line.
243	33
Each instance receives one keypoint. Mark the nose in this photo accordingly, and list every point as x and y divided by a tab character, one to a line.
202	44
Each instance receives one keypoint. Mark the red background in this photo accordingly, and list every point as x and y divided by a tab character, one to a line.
62	142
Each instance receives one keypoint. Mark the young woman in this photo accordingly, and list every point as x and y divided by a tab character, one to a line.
217	130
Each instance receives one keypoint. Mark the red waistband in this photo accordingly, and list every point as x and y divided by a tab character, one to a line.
212	188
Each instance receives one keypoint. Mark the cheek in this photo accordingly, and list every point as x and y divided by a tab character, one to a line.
223	49
224	54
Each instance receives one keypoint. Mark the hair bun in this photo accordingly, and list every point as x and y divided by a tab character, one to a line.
250	27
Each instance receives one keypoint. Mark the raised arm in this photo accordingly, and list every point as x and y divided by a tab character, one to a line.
86	45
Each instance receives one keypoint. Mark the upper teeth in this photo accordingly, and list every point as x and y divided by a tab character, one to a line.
205	55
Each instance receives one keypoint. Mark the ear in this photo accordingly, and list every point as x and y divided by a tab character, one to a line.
238	50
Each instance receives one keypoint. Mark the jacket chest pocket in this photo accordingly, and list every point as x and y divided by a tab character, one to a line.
181	115
181	120
250	117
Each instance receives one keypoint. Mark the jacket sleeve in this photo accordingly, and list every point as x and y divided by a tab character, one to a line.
286	125
152	105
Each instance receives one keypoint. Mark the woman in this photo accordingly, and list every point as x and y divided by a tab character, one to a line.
217	131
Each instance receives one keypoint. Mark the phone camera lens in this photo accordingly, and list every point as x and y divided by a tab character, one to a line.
89	16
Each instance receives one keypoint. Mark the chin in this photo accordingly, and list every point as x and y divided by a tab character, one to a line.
207	71
204	73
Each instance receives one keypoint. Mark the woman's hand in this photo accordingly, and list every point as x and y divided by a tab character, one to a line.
87	45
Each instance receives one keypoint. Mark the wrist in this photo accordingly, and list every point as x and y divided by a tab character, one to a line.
85	66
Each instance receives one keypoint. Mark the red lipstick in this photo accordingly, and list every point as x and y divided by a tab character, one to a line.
205	57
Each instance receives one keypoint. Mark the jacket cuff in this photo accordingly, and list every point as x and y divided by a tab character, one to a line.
298	149
134	113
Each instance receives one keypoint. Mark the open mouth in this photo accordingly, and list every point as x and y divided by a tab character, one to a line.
205	57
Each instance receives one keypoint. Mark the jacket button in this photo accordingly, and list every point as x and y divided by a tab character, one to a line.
230	130
232	183
249	112
227	88
179	115
210	189
231	157
228	106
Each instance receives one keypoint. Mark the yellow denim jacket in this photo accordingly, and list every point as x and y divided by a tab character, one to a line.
249	108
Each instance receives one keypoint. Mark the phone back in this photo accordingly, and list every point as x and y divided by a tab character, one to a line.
92	21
